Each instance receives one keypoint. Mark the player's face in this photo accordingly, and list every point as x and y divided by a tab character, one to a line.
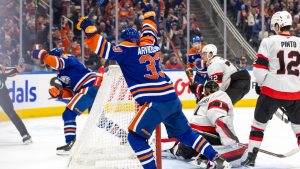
197	46
204	56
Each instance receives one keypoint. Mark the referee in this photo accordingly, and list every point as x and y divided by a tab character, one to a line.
6	103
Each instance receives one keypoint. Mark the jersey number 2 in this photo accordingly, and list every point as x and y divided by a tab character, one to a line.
151	66
291	66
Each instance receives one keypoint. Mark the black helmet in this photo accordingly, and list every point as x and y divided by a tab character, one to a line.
210	87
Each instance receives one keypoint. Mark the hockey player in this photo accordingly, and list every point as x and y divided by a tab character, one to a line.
213	118
277	73
235	82
194	60
139	59
6	103
79	84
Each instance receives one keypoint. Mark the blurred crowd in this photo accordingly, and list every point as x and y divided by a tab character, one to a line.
246	15
36	29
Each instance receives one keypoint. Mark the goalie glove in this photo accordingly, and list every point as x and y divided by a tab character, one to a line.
87	26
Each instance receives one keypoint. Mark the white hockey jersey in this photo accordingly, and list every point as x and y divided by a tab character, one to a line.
220	70
208	113
277	67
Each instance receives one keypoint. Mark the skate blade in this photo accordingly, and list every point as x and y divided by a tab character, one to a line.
63	153
27	142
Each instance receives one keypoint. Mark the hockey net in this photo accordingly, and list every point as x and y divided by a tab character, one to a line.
103	143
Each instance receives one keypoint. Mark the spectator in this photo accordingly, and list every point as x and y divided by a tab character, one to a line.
173	64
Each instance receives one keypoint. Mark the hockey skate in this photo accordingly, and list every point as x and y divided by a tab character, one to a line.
250	160
66	149
26	139
221	163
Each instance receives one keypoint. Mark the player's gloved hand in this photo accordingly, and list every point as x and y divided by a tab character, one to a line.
196	88
55	92
99	77
148	9
66	93
56	52
87	26
39	54
257	89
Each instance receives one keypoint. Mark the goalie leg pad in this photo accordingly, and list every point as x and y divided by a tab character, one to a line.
198	143
69	125
142	150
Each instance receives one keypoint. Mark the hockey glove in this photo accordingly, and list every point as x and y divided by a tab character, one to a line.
189	73
257	89
54	92
39	54
196	88
87	26
148	10
99	77
56	52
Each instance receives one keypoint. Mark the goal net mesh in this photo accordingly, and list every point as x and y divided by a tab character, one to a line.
102	143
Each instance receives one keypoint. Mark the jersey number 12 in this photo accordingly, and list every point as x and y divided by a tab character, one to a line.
291	67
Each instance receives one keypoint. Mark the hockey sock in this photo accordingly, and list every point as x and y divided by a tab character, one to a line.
256	135
142	150
198	143
69	125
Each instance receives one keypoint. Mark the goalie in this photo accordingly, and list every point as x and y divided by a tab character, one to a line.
213	118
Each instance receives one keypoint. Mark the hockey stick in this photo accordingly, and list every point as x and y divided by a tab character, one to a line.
281	115
172	44
288	154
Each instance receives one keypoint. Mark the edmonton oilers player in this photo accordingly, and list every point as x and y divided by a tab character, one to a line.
194	60
79	84
139	59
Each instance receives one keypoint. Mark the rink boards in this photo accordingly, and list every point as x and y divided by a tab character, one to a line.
29	93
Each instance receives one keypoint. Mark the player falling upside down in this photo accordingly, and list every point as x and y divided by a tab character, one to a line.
139	59
235	82
277	73
79	84
213	118
194	60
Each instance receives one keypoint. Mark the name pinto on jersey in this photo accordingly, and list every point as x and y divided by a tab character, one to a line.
289	44
144	50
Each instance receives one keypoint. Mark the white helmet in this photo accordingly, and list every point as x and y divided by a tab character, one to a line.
282	18
210	48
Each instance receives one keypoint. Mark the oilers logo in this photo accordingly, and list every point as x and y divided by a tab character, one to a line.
65	79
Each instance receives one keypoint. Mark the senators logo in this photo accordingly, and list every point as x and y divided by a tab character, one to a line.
117	49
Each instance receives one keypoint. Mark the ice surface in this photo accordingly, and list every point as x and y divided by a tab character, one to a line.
47	134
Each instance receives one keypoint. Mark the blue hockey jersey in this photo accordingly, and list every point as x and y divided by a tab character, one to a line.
71	73
139	64
194	60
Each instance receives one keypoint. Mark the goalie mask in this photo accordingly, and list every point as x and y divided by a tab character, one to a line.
210	87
